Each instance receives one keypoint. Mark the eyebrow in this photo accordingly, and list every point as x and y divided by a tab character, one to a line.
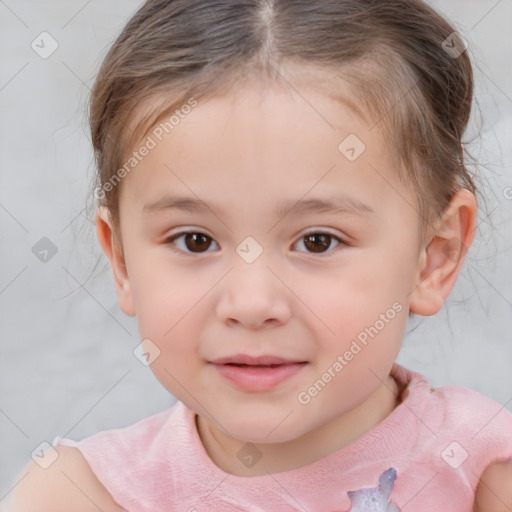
343	204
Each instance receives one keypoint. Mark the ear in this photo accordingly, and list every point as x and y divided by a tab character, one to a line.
113	251
442	255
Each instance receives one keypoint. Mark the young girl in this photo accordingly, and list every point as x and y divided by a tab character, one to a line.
281	185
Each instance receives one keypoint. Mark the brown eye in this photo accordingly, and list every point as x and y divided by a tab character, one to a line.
194	242
318	243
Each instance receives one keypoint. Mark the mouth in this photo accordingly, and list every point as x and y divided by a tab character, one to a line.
246	360
257	365
257	374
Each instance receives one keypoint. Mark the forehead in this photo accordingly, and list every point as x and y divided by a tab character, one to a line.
263	144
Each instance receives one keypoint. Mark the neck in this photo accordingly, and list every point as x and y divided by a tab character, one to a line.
310	447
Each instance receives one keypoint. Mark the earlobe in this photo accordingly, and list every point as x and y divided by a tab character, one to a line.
116	258
443	254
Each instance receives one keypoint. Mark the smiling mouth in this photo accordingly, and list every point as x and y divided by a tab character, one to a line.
265	366
258	377
247	360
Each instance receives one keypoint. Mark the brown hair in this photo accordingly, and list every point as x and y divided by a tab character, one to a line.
393	54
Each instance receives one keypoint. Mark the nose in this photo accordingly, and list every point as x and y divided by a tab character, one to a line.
253	296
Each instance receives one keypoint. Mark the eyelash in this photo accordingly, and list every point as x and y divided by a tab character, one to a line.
174	237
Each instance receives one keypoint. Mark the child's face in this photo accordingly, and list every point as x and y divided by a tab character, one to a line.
302	299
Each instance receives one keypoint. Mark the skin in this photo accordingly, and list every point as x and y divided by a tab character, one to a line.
248	154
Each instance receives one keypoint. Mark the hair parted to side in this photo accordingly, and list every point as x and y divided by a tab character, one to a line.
389	54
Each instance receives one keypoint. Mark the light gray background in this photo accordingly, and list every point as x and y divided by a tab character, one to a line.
67	366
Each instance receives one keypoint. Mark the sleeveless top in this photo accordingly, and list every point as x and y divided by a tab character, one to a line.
427	455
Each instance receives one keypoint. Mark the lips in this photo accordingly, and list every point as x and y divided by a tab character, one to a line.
244	359
257	374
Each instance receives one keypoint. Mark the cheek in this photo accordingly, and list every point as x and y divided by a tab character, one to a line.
356	291
164	295
360	303
174	330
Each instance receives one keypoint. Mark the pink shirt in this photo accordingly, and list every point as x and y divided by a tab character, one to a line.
426	456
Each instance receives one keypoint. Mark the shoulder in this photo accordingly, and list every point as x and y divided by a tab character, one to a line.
67	480
477	422
482	428
479	414
494	492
